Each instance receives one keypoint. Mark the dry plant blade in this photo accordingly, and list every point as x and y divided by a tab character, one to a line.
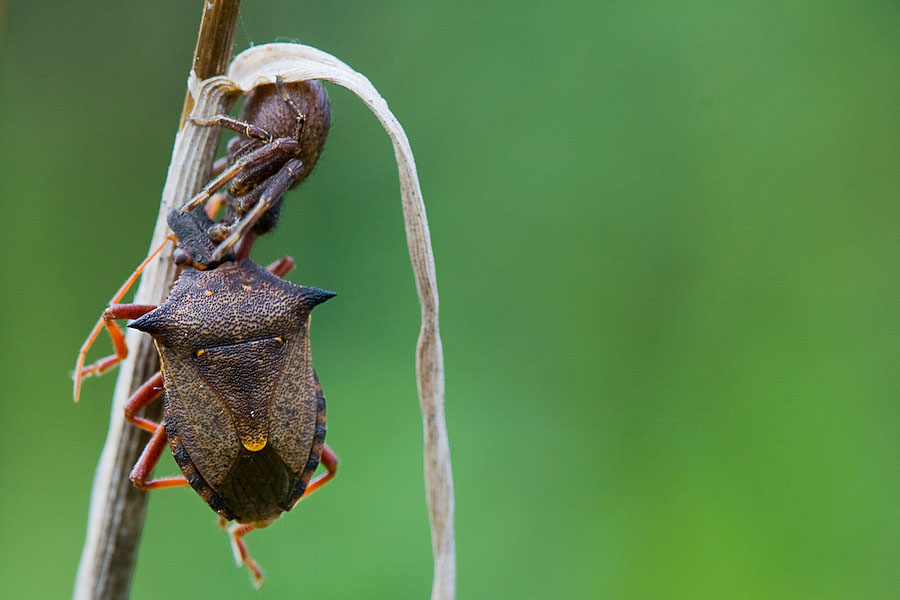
295	62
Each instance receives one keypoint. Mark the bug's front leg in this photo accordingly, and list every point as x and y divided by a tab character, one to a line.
107	319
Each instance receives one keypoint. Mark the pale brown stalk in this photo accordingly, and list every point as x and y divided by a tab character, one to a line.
117	507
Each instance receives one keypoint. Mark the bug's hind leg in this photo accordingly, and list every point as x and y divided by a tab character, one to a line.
149	458
329	460
241	556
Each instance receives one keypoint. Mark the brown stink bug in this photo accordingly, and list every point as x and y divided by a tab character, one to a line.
282	131
243	410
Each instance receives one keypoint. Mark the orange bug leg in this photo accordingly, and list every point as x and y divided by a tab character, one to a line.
241	556
127	311
329	460
149	391
107	319
149	458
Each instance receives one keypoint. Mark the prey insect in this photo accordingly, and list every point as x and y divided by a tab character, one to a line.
243	410
282	131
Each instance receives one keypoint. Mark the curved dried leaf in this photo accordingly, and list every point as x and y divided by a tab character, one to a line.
295	62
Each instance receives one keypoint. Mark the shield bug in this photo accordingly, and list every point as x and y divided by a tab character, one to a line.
281	132
243	410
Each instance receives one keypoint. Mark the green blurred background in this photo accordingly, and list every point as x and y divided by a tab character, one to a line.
667	250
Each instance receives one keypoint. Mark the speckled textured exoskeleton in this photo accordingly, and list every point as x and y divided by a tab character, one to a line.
243	410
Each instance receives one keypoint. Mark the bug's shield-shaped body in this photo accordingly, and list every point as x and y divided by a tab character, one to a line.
244	411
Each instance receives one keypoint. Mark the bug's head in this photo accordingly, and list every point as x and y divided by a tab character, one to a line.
195	246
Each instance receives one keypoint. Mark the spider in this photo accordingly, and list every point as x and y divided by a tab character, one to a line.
282	130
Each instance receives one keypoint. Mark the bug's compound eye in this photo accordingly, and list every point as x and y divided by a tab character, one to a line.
180	257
